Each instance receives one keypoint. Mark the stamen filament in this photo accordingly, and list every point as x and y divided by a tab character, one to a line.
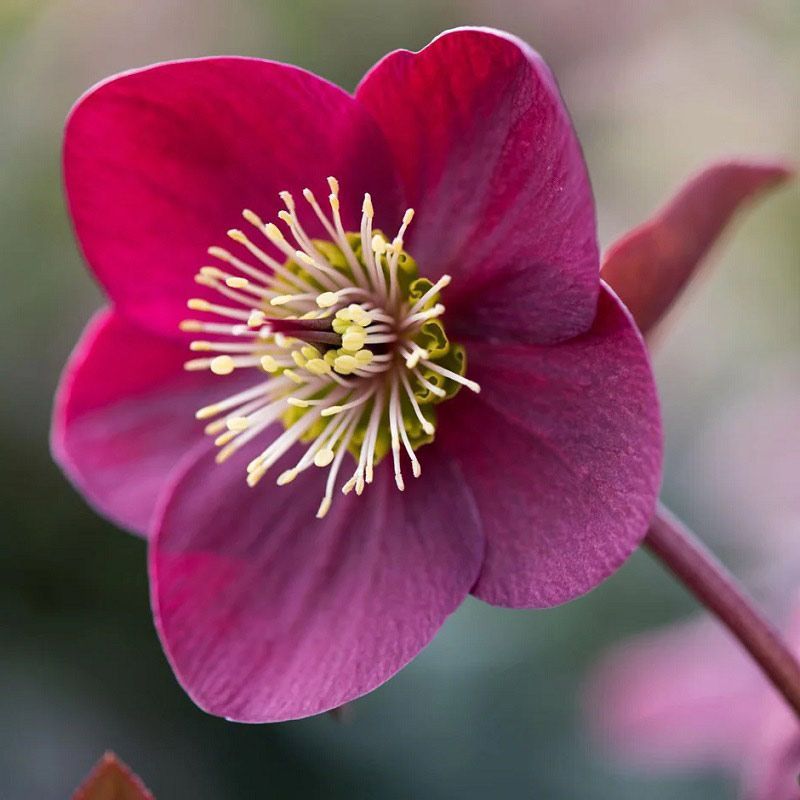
435	289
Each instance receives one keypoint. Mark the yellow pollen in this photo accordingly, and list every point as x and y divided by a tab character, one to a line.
415	357
225	438
237	235
327	299
253	218
281	299
360	317
354	338
191	325
237	283
345	365
256	319
207	411
333	184
212	272
269	364
324	457
364	357
324	507
238	424
293	376
225	454
196	304
286	477
196	346
273	233
331	410
222	365
366	207
318	366
304	258
298	358
204	280
345	314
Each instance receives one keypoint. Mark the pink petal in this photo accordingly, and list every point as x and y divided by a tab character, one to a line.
160	162
562	451
650	266
686	696
490	162
267	613
124	416
773	764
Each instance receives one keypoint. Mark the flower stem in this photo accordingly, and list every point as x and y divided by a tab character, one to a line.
708	580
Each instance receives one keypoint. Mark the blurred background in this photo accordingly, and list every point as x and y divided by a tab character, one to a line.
493	705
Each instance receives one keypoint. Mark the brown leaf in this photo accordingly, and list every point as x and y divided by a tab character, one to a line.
111	780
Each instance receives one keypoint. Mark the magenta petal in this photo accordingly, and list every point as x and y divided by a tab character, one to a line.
124	416
160	162
490	162
685	696
650	266
267	613
562	452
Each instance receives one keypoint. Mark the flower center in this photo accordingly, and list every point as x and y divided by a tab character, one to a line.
346	336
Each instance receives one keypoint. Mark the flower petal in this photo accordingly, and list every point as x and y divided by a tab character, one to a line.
562	452
650	266
773	760
160	162
685	696
489	160
124	416
267	613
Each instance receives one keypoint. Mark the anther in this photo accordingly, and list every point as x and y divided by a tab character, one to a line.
253	218
269	364
222	365
237	283
366	207
327	299
286	477
238	424
324	457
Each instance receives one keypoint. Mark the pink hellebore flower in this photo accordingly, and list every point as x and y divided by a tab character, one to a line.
333	340
690	696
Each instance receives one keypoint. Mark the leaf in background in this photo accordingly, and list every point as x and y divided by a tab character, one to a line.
111	780
650	266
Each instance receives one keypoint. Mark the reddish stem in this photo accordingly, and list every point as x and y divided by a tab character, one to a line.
708	580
